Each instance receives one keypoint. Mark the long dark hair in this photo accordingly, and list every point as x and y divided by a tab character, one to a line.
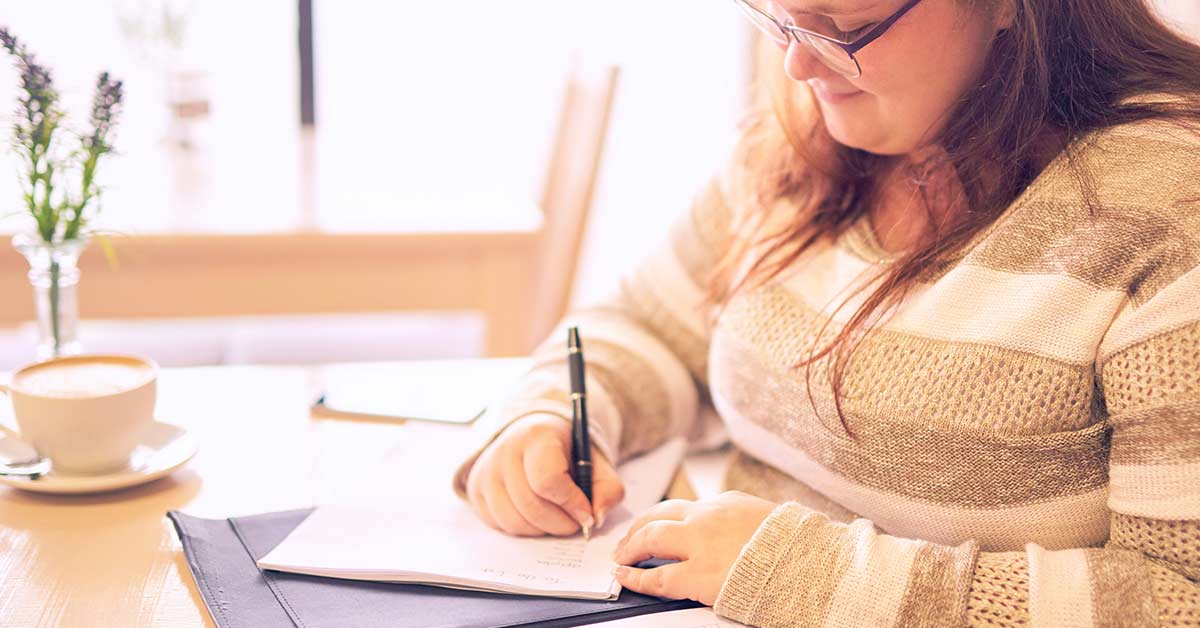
1063	70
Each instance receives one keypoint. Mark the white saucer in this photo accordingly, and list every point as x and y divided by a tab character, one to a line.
165	448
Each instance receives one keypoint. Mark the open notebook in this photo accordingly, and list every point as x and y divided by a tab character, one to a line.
442	542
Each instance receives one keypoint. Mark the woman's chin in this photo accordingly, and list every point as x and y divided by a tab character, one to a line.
869	139
861	139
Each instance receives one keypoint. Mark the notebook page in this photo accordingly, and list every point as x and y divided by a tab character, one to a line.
441	541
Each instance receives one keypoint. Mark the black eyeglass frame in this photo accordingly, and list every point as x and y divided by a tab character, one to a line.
849	47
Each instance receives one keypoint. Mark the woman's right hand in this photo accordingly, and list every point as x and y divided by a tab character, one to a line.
521	484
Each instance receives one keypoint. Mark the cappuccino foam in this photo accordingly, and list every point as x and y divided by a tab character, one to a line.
83	378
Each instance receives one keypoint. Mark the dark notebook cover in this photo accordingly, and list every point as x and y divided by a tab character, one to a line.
222	553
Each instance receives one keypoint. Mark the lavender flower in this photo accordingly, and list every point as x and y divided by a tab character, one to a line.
106	106
37	119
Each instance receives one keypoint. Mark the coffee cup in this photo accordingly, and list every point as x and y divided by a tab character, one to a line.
86	413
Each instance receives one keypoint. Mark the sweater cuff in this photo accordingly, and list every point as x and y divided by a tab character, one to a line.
751	572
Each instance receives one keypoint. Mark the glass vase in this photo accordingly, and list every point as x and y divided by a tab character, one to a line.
54	273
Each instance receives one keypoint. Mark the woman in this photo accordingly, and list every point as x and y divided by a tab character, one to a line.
944	303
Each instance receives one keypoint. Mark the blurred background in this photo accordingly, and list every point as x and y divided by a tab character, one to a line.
314	181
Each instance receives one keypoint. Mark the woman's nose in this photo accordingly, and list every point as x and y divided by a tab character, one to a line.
801	63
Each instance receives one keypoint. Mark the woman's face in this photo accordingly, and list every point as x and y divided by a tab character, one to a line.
912	76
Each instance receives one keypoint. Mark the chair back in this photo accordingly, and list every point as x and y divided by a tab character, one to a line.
570	186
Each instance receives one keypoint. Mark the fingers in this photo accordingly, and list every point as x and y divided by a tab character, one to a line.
547	470
475	493
489	498
669	580
505	514
607	488
479	504
522	483
669	510
539	512
656	539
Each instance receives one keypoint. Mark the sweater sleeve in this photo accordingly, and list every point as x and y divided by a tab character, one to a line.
646	347
802	569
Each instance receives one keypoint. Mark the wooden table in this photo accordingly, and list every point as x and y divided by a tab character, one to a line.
222	275
114	559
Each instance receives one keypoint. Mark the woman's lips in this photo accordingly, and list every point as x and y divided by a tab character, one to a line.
833	97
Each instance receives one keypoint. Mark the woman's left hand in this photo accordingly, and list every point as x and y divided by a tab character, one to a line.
706	536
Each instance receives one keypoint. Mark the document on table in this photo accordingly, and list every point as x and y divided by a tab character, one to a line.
442	542
688	618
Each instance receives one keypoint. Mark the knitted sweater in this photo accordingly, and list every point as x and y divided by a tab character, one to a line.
1024	429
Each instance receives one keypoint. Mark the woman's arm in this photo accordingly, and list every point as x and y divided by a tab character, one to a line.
646	348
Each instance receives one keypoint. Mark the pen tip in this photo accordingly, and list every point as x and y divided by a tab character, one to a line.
587	533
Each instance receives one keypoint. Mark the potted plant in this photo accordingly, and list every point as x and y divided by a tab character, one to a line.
60	191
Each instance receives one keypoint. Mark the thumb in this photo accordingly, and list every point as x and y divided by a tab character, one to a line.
607	488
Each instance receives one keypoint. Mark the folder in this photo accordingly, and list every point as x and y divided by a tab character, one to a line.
221	555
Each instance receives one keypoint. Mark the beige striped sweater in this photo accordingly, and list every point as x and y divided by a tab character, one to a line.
1026	425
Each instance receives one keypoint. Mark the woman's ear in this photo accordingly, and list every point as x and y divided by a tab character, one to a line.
1005	13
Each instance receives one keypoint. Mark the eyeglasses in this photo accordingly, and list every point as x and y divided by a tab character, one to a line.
831	50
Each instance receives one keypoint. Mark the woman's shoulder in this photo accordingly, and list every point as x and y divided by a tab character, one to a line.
1150	166
1151	151
1120	209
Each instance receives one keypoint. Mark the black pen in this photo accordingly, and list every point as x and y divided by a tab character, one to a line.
581	448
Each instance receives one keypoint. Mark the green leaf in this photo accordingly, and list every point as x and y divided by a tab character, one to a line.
110	252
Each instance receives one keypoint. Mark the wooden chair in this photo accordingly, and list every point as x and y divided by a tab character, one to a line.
569	190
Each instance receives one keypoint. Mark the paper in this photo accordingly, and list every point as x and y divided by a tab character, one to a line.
441	541
687	618
452	391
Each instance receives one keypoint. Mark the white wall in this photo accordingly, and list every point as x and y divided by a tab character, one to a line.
1183	14
466	106
685	66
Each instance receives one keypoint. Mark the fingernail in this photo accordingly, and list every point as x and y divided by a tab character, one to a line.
600	518
620	572
588	522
